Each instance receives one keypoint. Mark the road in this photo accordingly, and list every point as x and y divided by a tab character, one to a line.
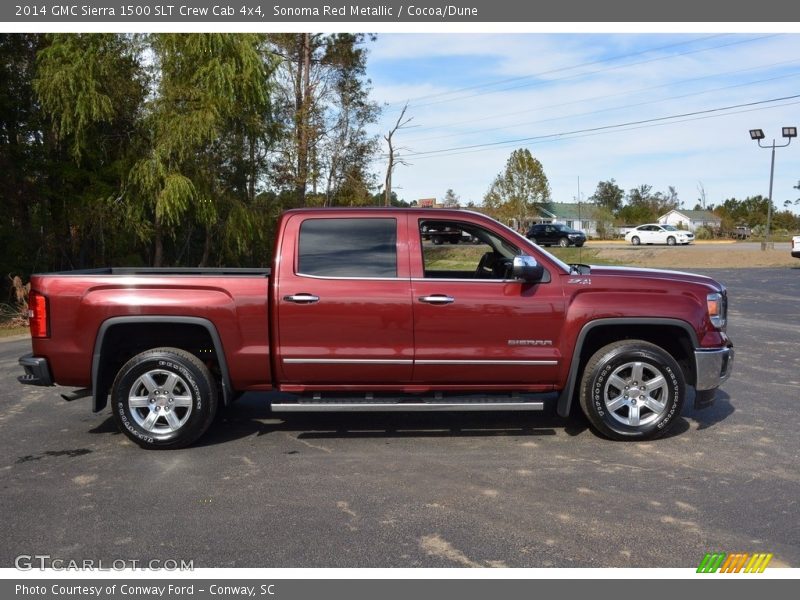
422	490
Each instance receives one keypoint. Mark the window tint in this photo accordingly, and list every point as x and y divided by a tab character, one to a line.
348	248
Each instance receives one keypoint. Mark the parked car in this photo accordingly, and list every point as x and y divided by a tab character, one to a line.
548	234
796	246
741	232
655	233
440	235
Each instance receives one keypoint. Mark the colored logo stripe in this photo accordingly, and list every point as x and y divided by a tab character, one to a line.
734	563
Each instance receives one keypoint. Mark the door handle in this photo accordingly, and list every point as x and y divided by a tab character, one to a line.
437	299
302	298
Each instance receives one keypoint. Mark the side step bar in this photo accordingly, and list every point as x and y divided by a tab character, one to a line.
438	402
402	406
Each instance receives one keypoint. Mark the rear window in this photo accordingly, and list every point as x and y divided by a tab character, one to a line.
348	248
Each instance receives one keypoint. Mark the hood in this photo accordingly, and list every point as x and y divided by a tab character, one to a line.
657	274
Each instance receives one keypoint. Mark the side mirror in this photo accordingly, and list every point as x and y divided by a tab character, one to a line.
527	269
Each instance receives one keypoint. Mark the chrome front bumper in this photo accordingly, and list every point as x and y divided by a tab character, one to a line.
713	367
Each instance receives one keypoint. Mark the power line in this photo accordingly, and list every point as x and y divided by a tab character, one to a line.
611	68
621	129
430	153
609	109
604	96
410	101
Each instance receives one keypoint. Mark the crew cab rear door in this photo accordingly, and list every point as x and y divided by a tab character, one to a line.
342	301
474	324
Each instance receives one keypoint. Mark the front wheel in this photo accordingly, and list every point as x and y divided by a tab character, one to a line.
635	241
670	241
632	390
164	398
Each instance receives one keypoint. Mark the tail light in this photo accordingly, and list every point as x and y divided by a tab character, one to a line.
37	315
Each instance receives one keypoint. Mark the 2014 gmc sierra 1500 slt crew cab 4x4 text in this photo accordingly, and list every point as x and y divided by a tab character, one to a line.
359	312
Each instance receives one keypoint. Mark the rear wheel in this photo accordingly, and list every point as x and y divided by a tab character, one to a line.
635	241
164	398
632	390
563	242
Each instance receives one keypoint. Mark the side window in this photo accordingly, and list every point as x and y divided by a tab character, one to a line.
348	248
453	250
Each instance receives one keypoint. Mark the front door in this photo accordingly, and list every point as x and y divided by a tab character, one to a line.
474	324
343	301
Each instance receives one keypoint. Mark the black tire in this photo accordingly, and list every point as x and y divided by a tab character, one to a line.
437	240
579	245
635	240
670	241
177	411
563	242
614	412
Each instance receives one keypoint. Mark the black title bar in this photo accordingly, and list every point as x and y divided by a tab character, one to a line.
370	11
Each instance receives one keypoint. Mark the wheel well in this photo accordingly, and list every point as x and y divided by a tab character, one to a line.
672	338
123	341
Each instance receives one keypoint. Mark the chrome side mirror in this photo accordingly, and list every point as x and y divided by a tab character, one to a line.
527	269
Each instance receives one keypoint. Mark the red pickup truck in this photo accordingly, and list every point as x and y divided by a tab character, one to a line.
359	312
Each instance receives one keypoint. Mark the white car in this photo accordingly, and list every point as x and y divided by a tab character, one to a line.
654	233
796	246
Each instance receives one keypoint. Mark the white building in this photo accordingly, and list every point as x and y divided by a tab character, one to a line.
691	219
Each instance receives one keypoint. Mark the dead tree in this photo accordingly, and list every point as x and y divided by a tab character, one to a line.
394	158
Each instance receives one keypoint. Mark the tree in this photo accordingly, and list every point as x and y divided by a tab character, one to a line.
393	158
450	199
608	195
520	189
323	104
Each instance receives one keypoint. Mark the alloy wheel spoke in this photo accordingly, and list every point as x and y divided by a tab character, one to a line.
633	415
616	403
172	420
182	401
148	382
138	401
656	382
637	371
618	382
151	419
654	404
169	384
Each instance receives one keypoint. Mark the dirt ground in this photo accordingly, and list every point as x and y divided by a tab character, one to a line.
698	255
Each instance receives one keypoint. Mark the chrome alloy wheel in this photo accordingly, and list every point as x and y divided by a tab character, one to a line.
636	394
160	401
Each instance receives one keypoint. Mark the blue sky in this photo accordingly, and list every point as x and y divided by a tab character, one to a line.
469	90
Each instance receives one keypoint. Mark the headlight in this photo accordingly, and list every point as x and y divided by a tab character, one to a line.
717	309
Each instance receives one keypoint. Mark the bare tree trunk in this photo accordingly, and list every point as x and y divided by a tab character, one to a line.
251	185
206	248
387	198
302	98
158	239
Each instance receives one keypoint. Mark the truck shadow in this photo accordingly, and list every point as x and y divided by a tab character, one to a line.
251	415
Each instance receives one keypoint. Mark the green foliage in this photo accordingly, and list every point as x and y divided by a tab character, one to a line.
519	190
703	233
608	195
121	149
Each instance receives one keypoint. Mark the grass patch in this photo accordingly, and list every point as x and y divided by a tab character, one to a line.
466	258
9	331
587	256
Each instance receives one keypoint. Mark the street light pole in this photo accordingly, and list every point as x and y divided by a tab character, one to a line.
769	203
758	135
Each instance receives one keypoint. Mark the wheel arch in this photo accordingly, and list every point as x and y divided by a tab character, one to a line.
196	329
674	335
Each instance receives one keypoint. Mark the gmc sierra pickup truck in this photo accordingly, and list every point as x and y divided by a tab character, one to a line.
360	313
